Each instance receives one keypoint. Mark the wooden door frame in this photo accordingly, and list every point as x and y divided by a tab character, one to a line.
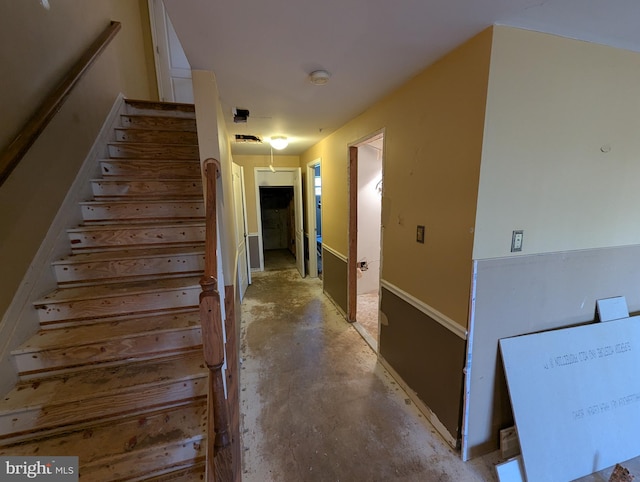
352	249
311	215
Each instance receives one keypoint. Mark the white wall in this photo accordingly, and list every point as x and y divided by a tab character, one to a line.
369	212
554	105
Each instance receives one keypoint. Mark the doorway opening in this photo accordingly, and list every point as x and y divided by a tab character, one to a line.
313	248
278	227
365	235
280	190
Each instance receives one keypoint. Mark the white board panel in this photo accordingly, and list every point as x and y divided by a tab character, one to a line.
575	394
525	294
511	470
612	308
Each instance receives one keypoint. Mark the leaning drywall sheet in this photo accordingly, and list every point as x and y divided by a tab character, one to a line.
525	294
575	394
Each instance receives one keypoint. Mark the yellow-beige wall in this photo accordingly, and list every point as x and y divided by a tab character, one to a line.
249	163
433	127
39	46
561	147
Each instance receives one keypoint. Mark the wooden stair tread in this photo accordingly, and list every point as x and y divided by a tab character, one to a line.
150	169
140	465
190	474
156	135
137	201
71	414
142	121
61	338
117	289
133	160
129	234
141	211
140	224
102	392
146	188
119	150
108	180
130	254
102	441
99	381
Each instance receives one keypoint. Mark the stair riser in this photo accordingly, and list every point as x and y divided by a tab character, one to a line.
157	122
174	393
138	347
152	151
142	211
89	239
155	136
113	188
118	305
151	169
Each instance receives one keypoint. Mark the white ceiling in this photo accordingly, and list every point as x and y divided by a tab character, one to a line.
262	51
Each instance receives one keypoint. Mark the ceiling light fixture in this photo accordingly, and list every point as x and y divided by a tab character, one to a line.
279	142
319	77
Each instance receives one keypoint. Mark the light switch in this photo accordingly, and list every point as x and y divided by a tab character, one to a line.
516	240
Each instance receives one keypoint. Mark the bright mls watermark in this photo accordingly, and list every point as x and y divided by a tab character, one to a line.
52	469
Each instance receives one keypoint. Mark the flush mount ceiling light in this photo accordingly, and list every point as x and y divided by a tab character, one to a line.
319	77
279	142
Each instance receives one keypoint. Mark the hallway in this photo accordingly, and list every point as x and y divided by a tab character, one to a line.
317	406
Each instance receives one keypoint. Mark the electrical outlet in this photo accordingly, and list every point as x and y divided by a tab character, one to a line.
516	240
420	234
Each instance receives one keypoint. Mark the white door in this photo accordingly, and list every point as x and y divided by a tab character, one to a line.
299	226
312	224
244	276
172	67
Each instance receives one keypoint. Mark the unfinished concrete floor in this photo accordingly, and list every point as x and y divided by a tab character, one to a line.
316	405
367	316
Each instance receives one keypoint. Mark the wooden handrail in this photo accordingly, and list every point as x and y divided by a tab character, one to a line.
15	151
219	451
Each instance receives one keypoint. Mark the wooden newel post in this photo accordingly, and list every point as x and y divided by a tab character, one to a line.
219	452
213	346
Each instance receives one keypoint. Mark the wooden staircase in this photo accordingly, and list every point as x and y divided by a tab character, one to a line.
116	374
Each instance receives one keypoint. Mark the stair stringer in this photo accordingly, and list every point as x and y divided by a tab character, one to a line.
20	321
